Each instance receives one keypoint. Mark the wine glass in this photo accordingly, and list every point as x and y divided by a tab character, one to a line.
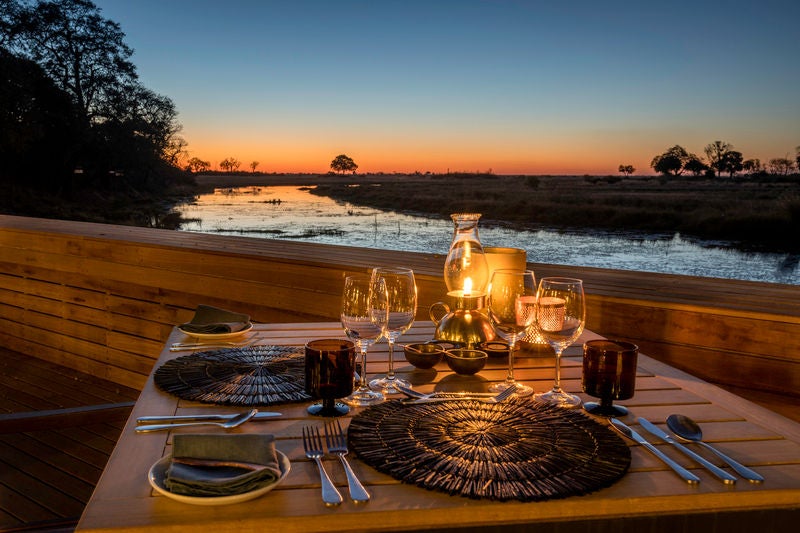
401	290
363	317
560	317
512	310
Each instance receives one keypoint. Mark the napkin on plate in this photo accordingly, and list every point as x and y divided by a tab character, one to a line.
221	465
208	319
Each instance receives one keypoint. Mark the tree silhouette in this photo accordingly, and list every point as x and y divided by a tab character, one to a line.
123	130
627	169
253	166
342	163
716	153
230	164
196	164
672	161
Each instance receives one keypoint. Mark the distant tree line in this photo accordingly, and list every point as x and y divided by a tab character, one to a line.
73	113
720	159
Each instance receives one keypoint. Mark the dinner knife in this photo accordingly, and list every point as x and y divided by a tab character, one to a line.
634	436
261	415
666	437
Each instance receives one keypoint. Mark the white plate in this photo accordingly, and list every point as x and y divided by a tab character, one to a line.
158	472
218	336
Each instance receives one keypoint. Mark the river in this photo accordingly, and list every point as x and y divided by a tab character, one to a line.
292	213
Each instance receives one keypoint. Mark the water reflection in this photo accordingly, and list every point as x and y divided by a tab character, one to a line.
288	212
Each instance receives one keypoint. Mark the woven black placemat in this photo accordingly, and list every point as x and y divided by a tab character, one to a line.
251	376
517	450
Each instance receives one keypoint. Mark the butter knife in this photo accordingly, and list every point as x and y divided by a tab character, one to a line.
634	436
261	415
717	471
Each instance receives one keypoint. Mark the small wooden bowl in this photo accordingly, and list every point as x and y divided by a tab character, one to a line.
494	348
465	361
423	355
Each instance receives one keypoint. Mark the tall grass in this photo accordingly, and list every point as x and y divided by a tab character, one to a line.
762	213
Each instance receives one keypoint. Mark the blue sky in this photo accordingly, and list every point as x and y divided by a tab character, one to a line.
513	86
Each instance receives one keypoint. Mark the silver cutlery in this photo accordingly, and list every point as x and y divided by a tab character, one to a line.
666	437
634	436
411	393
312	443
497	398
236	421
181	346
261	415
337	445
687	429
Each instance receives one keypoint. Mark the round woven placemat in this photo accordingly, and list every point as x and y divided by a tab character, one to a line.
517	450
251	376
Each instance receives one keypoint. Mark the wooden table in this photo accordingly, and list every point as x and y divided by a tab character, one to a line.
650	497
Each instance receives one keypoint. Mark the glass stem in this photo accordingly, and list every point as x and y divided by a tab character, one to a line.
510	376
557	384
363	384
390	373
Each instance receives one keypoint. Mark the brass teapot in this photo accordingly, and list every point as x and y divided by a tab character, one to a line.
465	325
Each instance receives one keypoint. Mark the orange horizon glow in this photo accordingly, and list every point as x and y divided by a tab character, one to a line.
316	160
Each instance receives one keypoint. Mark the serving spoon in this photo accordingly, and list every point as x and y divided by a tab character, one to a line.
237	420
687	429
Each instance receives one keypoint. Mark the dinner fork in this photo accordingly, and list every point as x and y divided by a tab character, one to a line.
337	445
497	398
312	442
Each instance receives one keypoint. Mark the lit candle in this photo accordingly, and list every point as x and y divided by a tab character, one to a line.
467	287
551	313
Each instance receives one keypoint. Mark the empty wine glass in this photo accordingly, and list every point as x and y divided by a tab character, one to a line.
363	318
512	310
401	290
560	317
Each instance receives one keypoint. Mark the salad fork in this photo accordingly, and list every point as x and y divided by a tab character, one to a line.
337	445
312	442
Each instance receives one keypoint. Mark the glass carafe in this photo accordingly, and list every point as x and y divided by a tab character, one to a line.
466	270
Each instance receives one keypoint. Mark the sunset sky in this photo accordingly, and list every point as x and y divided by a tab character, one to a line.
533	87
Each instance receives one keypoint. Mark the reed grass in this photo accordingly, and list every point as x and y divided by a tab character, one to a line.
761	214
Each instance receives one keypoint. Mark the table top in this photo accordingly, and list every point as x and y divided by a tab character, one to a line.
650	491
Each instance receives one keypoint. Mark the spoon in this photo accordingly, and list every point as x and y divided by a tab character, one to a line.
687	429
237	420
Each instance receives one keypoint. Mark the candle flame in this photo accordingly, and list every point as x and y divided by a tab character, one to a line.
467	286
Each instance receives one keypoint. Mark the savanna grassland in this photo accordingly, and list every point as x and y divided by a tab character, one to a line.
760	213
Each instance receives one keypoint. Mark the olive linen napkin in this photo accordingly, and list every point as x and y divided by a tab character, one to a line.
208	319
221	465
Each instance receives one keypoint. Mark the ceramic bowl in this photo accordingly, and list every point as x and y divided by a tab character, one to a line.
423	355
494	348
465	361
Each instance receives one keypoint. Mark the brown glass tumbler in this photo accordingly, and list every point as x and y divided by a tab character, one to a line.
330	367
609	373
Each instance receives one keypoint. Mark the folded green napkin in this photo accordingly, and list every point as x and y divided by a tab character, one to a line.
221	465
208	319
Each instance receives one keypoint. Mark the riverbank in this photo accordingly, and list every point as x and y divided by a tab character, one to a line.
754	214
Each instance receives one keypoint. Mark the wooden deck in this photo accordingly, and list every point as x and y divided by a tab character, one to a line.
100	300
57	429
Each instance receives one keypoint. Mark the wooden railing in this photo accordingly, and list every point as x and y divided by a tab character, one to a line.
102	299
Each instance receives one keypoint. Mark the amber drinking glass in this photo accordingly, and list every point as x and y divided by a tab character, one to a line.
609	373
330	365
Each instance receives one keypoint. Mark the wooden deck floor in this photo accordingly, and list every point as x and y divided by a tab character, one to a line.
50	463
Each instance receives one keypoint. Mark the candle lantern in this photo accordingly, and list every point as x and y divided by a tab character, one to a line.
466	274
